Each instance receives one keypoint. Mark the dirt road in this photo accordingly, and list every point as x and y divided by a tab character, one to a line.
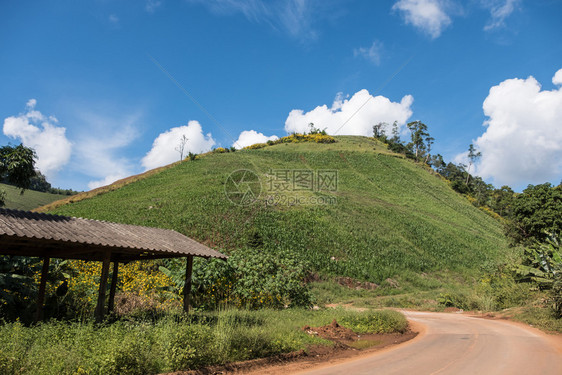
459	344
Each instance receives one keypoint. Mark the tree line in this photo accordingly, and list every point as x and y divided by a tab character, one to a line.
529	217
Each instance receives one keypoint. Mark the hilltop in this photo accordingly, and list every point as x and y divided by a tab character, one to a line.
388	217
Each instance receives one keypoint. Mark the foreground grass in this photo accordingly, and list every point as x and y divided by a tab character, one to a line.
173	342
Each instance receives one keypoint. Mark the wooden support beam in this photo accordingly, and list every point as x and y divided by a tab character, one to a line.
42	285
187	286
100	308
113	287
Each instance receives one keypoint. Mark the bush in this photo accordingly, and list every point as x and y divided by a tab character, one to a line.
255	146
251	278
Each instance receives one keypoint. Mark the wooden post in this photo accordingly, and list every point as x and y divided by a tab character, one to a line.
113	287
42	285
100	308
187	286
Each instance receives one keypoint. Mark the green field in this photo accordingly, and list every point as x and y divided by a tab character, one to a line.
392	218
29	200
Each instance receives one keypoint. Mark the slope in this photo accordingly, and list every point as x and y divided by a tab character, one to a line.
29	200
392	218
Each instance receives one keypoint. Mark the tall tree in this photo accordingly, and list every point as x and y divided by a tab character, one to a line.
181	146
535	213
395	132
378	129
17	167
429	142
472	157
418	132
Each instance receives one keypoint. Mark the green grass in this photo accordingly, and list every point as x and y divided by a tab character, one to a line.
393	217
29	200
174	342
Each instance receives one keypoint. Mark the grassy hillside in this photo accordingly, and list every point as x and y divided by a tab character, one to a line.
29	200
393	218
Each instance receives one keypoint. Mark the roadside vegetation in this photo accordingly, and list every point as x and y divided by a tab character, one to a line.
173	341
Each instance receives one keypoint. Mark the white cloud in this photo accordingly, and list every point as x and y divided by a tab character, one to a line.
164	152
373	53
99	156
522	143
250	137
105	181
40	132
427	15
295	17
355	116
557	79
499	11
113	19
151	5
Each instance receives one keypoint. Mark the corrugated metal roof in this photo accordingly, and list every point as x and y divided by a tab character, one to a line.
45	232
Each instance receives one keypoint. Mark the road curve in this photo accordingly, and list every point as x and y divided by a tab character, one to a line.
459	344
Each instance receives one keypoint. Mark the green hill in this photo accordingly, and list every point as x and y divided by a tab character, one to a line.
29	200
393	218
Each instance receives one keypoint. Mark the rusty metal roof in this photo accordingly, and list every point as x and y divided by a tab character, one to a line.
38	234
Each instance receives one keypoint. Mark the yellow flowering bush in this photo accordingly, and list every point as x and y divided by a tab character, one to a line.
140	278
255	146
295	138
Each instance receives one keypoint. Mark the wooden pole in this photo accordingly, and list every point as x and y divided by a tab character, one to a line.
187	286
42	285
113	287
100	308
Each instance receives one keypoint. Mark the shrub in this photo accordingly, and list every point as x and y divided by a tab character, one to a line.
220	150
255	146
252	278
320	137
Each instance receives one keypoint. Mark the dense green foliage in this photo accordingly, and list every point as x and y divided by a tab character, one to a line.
536	213
172	343
250	278
17	167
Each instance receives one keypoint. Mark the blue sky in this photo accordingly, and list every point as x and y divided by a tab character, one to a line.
105	89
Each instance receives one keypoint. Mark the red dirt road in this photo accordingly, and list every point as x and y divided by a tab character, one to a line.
459	344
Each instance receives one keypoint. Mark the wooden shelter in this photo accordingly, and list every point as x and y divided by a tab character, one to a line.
32	234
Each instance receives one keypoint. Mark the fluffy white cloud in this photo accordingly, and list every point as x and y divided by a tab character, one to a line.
164	147
373	53
40	132
354	116
250	137
557	79
523	140
427	15
99	156
499	11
